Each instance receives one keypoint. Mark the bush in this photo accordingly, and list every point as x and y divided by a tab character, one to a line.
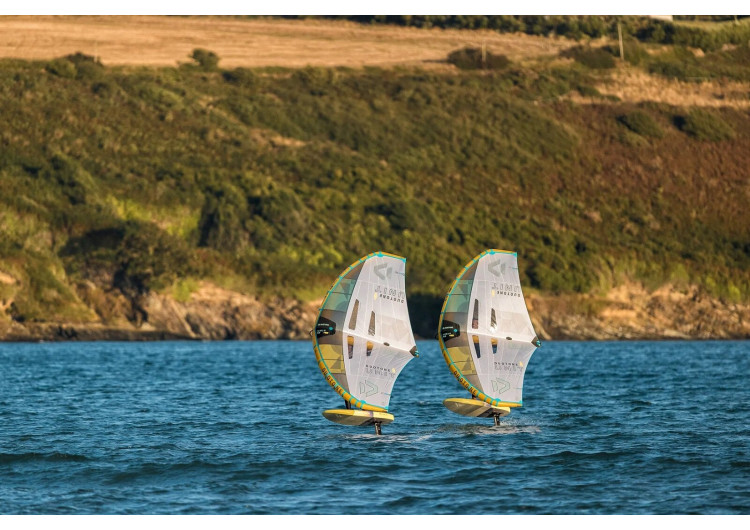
157	95
678	70
588	91
705	125
104	88
76	66
472	59
404	214
634	52
62	68
317	81
243	77
79	58
577	26
595	58
678	63
221	220
205	59
137	256
87	66
641	123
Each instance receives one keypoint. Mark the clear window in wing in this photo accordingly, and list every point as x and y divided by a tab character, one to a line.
353	318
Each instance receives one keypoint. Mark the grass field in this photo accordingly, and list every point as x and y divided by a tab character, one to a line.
166	41
159	41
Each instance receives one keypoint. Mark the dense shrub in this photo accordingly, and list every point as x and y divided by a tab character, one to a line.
678	63
221	220
243	77
148	258
87	66
681	63
138	257
316	80
635	53
711	39
76	66
681	70
80	58
282	209
475	59
705	125
105	88
62	68
577	27
205	59
45	295
641	123
595	58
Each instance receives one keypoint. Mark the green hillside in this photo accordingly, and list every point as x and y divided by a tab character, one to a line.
273	180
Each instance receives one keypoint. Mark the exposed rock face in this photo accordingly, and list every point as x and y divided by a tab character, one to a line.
631	312
213	313
218	314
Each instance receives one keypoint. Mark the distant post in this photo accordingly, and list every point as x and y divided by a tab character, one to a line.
619	35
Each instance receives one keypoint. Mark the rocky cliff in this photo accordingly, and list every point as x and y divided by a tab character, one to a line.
627	312
631	312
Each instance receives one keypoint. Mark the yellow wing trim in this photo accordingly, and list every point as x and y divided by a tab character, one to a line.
340	390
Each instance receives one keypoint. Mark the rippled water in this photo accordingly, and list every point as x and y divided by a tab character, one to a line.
236	427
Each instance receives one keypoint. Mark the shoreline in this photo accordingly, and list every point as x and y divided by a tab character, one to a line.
626	314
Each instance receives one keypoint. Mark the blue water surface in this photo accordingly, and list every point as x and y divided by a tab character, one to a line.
236	428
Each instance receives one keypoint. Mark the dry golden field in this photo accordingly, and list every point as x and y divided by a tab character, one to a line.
168	40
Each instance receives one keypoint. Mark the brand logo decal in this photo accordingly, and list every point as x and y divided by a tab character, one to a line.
496	268
383	271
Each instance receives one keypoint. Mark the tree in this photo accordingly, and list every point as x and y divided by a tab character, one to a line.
206	59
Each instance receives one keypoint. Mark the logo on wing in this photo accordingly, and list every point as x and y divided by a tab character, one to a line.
383	271
367	389
497	268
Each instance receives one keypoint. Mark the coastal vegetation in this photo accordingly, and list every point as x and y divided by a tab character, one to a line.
271	180
708	33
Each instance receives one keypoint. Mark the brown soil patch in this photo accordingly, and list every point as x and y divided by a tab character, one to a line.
168	40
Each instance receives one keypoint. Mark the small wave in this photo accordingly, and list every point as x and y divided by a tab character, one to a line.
385	438
423	437
598	455
693	460
405	501
151	469
491	430
10	458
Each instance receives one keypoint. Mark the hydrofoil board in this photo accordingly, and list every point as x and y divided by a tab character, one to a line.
357	417
474	408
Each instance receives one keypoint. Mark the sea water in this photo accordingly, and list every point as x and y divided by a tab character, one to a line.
236	428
